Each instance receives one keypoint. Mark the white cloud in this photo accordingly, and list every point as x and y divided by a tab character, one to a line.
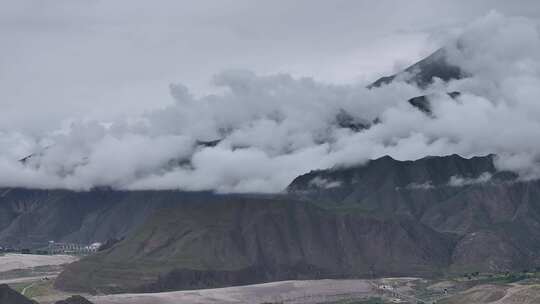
273	127
459	181
319	182
423	186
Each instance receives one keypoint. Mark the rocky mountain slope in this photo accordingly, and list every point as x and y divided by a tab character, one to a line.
29	218
387	217
427	217
238	240
494	216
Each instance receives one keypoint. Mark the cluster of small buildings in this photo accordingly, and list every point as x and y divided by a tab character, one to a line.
56	248
72	248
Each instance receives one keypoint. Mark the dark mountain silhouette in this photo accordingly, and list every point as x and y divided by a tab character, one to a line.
423	72
423	102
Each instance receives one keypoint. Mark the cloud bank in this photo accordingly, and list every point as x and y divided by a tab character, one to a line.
262	131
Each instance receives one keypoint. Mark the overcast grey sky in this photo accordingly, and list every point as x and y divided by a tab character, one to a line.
84	89
102	58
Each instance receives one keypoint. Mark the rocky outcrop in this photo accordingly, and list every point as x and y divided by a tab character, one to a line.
74	300
423	103
10	296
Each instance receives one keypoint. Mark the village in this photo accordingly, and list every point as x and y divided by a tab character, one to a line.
56	248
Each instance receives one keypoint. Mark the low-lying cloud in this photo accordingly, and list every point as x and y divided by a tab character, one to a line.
459	181
262	131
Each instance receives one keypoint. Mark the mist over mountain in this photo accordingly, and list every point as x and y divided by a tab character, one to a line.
426	166
436	216
432	217
267	129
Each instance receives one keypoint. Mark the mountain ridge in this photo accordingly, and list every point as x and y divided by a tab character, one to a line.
342	231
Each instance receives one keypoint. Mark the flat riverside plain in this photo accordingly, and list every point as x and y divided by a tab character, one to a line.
12	261
298	292
34	274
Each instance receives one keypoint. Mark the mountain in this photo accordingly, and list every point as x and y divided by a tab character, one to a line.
386	176
29	218
423	102
428	217
423	72
425	217
233	240
494	216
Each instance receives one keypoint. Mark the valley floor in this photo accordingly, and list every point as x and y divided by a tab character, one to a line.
275	292
479	290
33	276
13	261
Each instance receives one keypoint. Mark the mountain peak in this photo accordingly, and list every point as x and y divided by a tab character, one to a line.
422	72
